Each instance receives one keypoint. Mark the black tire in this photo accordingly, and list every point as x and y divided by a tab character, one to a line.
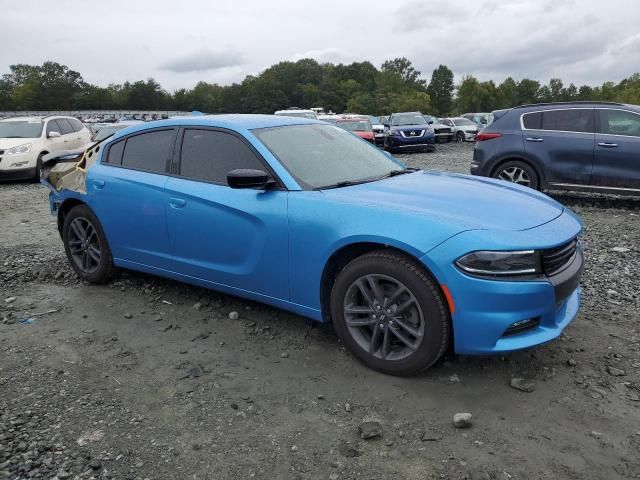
460	137
37	173
99	271
419	290
517	171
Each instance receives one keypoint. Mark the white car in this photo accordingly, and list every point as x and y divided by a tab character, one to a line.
298	112
463	128
25	140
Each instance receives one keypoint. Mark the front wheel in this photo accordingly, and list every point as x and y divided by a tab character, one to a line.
390	314
519	172
460	137
86	245
38	173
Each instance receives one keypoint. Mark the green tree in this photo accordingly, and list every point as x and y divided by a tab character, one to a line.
405	70
440	90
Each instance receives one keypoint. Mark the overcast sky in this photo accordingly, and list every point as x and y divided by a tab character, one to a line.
181	42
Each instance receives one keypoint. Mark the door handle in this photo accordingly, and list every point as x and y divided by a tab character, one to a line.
177	202
534	139
99	184
607	145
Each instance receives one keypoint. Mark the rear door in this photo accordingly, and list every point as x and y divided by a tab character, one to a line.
617	158
561	141
126	190
232	237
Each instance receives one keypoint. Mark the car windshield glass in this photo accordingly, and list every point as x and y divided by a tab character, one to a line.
429	118
355	125
399	120
373	120
324	156
462	121
106	132
20	129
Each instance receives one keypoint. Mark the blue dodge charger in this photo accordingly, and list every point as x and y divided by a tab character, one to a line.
304	216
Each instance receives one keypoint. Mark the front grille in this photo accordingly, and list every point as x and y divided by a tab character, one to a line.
1	152
554	260
442	130
412	133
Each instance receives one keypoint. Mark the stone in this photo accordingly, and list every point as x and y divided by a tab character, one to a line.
10	299
522	384
128	315
462	420
620	249
430	436
571	362
234	315
284	355
347	407
349	450
197	306
370	430
615	372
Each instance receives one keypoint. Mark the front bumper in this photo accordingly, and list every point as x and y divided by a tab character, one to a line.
400	142
17	173
485	309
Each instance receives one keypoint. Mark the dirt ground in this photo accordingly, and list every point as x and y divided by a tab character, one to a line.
146	378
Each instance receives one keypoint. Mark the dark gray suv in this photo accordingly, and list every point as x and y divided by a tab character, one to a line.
592	146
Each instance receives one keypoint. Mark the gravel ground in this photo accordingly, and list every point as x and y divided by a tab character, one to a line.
148	378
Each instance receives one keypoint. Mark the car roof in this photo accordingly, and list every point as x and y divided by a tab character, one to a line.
230	121
22	119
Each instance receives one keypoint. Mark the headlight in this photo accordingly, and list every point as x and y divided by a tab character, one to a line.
429	129
489	263
26	148
394	131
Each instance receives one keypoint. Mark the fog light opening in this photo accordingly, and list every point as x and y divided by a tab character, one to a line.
521	326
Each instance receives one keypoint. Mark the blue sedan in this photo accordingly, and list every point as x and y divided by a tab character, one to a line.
304	216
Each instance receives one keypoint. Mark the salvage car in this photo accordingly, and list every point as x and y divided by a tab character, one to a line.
359	127
463	128
25	140
588	146
304	216
442	132
408	131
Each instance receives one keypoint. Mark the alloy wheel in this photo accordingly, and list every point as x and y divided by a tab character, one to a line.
84	245
515	175
383	317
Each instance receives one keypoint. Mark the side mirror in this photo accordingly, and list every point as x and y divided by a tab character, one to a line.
430	122
386	125
247	178
53	135
483	121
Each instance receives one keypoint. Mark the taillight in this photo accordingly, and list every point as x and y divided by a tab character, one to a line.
481	137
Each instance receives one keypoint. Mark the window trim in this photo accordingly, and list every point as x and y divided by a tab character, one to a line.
522	127
177	156
167	172
614	134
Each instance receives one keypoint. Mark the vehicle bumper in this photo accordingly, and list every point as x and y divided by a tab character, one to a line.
401	142
444	137
470	136
485	309
379	138
17	173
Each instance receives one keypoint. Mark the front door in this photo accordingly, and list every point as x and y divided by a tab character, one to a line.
232	237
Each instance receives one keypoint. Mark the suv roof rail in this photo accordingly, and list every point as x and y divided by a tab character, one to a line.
577	102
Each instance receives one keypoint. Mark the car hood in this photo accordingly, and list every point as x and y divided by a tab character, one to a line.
468	202
419	126
6	143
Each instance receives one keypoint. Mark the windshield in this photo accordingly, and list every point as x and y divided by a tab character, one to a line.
106	132
323	155
374	120
310	115
462	121
20	128
399	120
355	125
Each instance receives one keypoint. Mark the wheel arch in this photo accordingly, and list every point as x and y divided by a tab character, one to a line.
65	207
345	254
520	158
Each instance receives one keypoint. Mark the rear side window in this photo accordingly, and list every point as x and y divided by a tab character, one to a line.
576	120
210	155
532	121
150	151
76	124
619	122
65	126
114	155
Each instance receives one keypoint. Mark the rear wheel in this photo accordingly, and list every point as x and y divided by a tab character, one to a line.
390	314
86	245
519	172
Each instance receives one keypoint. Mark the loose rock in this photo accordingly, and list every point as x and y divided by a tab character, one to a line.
462	420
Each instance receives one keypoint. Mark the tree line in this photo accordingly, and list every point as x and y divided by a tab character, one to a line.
357	87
